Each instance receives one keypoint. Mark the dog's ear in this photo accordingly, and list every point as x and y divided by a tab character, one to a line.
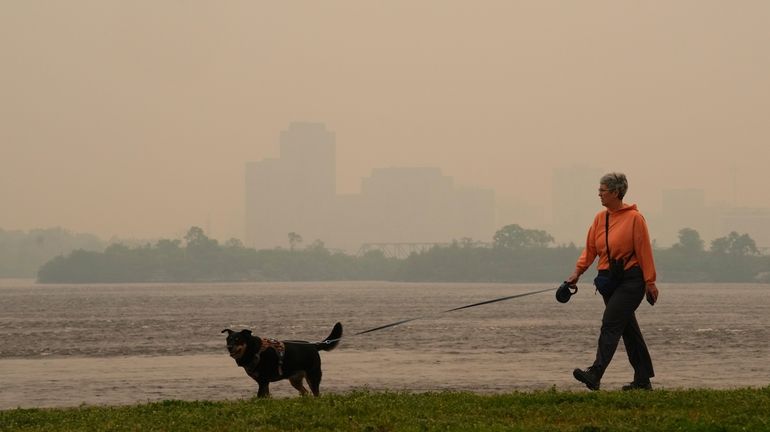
229	332
246	332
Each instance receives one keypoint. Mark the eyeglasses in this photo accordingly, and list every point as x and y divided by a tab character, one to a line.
603	190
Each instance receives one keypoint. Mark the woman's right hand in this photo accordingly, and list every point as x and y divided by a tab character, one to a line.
572	279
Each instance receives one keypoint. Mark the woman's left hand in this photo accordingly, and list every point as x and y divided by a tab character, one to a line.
651	291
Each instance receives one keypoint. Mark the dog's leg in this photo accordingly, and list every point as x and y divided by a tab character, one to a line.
264	389
296	381
314	381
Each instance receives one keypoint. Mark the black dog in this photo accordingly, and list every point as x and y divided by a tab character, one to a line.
268	360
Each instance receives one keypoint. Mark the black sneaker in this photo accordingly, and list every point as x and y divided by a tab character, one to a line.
638	385
590	377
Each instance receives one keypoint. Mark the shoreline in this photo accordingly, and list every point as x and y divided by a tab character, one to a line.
60	382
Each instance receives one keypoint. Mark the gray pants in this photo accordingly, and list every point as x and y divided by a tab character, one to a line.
619	320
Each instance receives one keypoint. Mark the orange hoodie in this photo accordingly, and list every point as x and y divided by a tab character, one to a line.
628	239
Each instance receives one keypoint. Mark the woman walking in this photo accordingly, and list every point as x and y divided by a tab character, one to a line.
619	237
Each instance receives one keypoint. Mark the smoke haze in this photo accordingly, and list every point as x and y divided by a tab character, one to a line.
136	119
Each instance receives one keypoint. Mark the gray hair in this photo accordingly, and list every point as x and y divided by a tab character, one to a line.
615	182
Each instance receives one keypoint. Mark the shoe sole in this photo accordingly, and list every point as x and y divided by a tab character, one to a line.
582	377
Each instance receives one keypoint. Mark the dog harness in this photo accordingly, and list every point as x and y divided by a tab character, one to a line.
266	344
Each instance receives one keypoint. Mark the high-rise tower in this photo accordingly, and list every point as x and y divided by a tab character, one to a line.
294	193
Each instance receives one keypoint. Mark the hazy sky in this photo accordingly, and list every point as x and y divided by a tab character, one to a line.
135	118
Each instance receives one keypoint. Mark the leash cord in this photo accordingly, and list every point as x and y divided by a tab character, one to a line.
382	327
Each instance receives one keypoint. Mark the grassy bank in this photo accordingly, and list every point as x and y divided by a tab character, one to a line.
680	410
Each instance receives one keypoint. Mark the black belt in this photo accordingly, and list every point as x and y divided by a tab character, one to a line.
630	272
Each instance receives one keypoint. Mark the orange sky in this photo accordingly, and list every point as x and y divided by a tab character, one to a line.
135	118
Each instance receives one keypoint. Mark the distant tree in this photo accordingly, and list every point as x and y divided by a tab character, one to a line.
735	244
720	245
234	243
294	240
117	249
196	237
317	246
202	255
515	237
689	241
166	245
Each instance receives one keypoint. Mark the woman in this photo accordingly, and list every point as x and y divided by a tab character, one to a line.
634	277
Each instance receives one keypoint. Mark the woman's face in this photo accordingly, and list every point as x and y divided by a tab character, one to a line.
606	195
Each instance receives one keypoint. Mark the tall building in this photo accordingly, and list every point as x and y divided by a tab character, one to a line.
294	193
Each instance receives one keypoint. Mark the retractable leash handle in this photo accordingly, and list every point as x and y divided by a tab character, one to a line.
565	291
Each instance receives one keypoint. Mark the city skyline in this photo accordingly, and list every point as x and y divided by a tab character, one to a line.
566	219
296	193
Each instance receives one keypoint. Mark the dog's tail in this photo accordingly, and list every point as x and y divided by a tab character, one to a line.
332	340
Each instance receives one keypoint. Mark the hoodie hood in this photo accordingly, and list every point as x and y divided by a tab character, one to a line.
625	208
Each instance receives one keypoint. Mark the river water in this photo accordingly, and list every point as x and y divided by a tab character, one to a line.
67	345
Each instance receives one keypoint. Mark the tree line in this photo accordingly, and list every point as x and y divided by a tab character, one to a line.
516	255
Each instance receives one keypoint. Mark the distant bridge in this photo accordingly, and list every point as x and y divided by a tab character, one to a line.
404	249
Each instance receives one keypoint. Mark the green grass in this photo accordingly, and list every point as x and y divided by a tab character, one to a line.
660	410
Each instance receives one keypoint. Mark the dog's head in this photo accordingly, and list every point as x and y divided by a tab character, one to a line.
239	342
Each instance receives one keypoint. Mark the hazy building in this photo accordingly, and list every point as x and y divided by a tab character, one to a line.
683	208
752	221
475	208
575	202
687	208
404	204
411	205
296	193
